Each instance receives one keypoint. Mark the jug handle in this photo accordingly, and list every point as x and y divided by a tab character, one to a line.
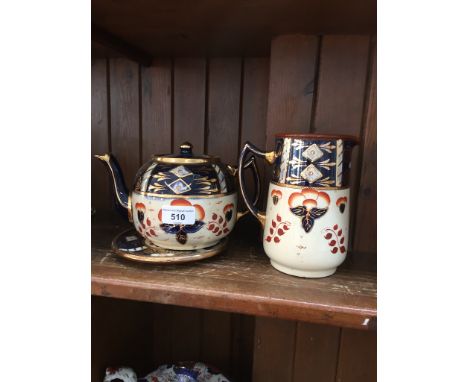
252	164
270	157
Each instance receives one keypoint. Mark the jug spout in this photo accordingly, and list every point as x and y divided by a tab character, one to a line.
120	189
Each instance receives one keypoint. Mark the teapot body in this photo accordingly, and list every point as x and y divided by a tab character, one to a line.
214	218
184	206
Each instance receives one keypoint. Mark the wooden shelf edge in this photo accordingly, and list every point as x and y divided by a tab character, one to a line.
239	280
257	306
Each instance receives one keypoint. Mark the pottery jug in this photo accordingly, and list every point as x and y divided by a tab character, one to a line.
306	222
181	201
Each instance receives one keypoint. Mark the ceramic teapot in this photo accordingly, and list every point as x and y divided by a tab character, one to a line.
306	222
183	201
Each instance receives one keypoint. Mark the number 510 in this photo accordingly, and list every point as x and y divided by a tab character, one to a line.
177	216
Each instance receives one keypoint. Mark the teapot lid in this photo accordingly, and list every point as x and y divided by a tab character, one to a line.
185	156
184	175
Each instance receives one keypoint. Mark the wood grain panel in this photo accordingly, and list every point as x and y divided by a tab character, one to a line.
242	341
186	333
254	113
341	84
358	356
273	350
156	98
291	90
121	334
255	100
124	98
223	108
316	353
365	235
225	340
100	186
341	95
216	339
189	102
162	334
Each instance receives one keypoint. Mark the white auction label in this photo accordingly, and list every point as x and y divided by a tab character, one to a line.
178	215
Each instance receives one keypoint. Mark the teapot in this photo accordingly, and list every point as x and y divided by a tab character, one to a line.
181	201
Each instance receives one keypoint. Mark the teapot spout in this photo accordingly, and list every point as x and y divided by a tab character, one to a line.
120	189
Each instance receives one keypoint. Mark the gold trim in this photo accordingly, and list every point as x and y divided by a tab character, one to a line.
186	145
261	216
104	157
270	157
317	188
232	169
182	256
129	208
241	214
165	196
331	137
171	160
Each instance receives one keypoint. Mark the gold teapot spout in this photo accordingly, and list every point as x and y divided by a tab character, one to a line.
105	157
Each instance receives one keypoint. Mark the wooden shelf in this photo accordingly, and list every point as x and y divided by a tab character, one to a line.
167	28
239	280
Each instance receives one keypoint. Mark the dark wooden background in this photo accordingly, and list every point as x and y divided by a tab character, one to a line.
308	83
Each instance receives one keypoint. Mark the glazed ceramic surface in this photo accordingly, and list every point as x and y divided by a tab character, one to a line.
131	246
312	161
186	372
124	374
306	229
215	218
180	202
185	179
306	222
180	372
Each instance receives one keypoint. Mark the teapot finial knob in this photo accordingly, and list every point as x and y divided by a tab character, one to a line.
186	149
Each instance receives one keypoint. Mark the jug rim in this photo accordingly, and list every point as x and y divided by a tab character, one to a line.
344	137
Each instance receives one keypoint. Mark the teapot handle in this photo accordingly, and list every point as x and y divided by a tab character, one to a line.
270	157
